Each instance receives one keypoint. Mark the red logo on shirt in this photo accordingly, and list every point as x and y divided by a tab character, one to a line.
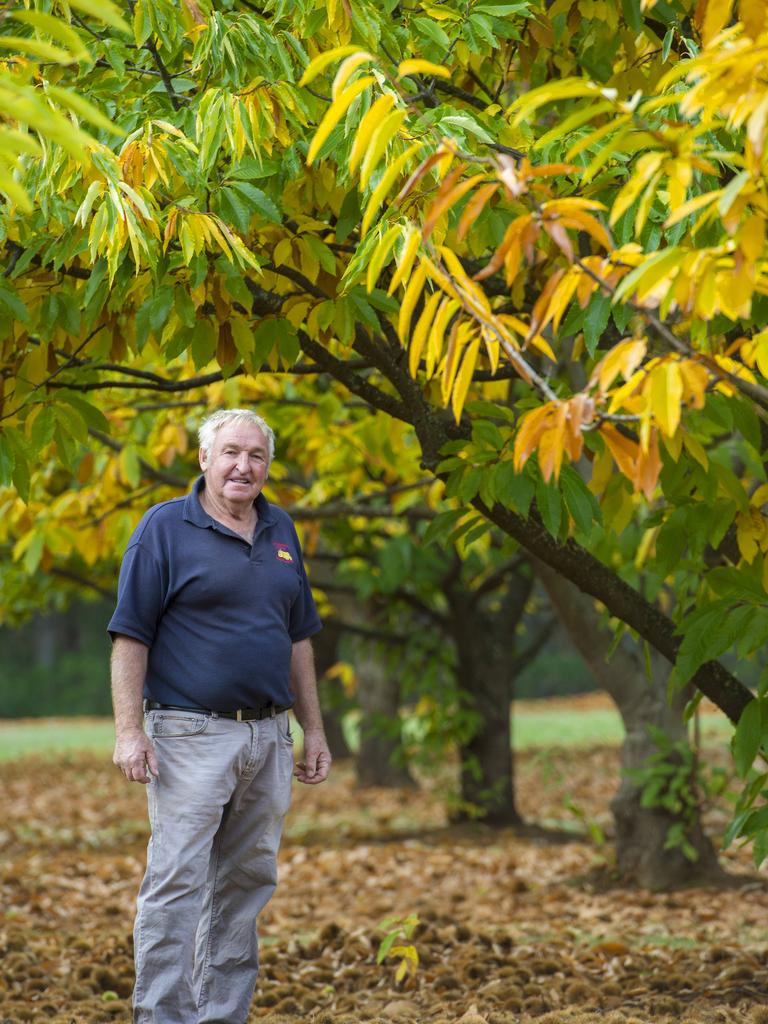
283	552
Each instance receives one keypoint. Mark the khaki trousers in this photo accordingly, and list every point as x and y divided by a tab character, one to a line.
216	810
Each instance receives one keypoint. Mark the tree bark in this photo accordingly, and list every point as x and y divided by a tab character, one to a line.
641	833
485	645
378	761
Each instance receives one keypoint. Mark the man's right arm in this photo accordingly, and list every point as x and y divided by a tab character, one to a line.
134	754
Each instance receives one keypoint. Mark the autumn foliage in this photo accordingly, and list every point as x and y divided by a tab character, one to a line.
547	219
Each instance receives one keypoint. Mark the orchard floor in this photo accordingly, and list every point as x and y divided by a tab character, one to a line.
515	928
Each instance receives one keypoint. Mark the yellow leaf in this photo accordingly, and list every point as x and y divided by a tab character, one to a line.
410	298
38	48
347	67
464	378
408	255
716	15
648	467
469	287
596	136
750	526
437	333
335	113
380	139
697	203
322	61
422	67
532	426
420	332
57	28
752	236
644	206
753	14
102	10
665	387
380	254
461	332
552	445
624	451
646	165
446	199
566	88
368	125
14	191
388	179
695	382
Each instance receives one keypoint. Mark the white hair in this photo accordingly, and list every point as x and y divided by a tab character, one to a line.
212	424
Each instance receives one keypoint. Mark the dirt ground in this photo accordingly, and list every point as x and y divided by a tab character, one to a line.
513	928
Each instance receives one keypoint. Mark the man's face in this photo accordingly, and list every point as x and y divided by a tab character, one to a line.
236	466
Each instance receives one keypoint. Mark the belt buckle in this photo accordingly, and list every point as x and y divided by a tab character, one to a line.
239	715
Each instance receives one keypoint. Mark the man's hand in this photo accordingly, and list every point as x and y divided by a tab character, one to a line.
317	759
135	756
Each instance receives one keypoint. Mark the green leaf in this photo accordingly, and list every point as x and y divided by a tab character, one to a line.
94	417
289	345
468	124
104	11
441	525
13	304
43	427
20	473
203	345
503	10
514	490
6	462
579	500
596	320
748	736
349	216
258	200
632	15
549	505
432	31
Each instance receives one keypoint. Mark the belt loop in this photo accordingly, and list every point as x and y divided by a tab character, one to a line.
239	715
272	711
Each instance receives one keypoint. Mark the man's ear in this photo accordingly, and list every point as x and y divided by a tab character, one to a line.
202	457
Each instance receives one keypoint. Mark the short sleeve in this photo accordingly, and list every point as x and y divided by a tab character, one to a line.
140	596
304	619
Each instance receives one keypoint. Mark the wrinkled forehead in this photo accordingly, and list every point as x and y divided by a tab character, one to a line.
243	436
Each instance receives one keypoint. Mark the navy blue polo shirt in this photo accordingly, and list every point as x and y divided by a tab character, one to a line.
218	614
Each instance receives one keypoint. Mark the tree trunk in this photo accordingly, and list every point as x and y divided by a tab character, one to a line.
378	760
641	833
326	648
485	645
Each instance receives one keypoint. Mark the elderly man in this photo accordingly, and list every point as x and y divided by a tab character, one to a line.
211	647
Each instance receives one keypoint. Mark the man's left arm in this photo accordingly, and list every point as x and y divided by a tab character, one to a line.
316	763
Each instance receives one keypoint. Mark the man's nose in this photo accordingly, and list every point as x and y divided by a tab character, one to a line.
243	462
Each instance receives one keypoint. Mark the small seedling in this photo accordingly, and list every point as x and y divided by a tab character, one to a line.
396	943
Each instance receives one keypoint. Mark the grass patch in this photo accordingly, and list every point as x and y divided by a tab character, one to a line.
597	727
532	729
47	737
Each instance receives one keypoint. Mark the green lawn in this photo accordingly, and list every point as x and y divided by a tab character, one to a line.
531	729
50	736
